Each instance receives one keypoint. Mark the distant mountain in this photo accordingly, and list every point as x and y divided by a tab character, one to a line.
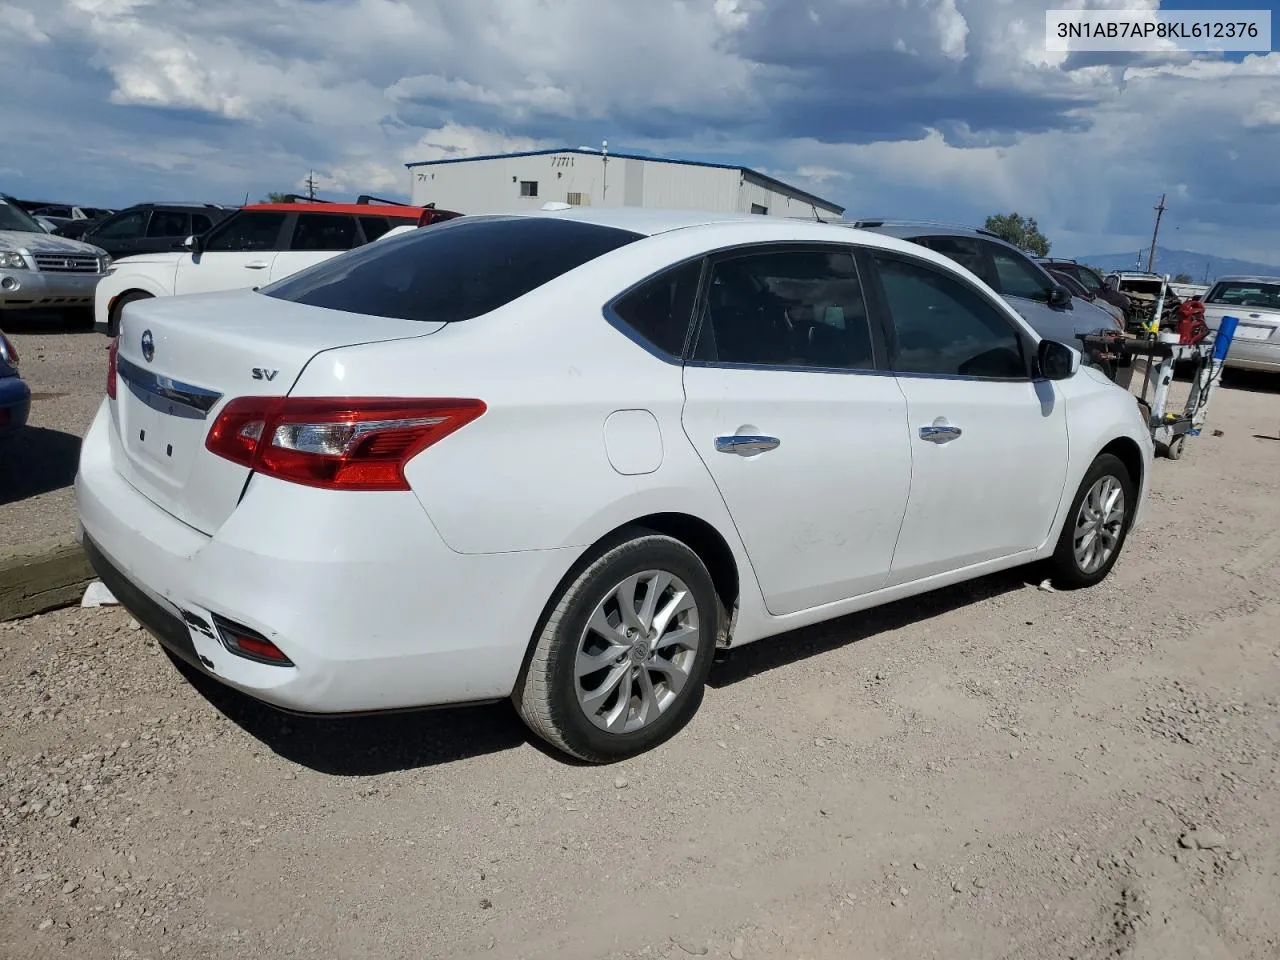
1174	262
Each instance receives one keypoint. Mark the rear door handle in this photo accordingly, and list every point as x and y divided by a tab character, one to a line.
746	445
940	431
257	265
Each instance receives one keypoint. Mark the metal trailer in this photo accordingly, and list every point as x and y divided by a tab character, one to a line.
1163	354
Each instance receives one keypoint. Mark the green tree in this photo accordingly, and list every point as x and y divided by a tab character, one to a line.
1182	278
276	197
1022	232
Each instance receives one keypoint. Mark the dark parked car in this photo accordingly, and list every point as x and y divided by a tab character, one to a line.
153	227
1090	279
15	395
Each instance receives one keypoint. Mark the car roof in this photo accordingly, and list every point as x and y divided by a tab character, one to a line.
648	221
374	209
1247	278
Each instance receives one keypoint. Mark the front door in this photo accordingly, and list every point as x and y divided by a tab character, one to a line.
988	439
802	435
238	253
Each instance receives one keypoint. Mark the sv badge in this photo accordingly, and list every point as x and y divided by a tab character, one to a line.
260	374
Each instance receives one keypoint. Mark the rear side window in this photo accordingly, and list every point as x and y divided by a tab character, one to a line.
454	271
247	231
324	231
660	308
167	223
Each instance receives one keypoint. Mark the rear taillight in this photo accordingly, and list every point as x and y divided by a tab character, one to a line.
113	348
338	443
8	352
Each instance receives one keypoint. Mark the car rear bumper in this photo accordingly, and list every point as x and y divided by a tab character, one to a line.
15	404
1254	355
36	290
357	589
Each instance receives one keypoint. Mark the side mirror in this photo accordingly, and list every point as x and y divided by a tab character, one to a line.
1057	361
192	243
1059	297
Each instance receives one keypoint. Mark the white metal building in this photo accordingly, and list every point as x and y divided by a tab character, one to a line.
582	177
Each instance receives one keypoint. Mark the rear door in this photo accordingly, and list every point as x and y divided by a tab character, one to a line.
988	441
316	237
802	433
238	253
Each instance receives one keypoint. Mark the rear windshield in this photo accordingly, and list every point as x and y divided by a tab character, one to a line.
452	271
1246	293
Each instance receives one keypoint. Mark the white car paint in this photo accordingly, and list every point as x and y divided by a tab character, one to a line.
430	595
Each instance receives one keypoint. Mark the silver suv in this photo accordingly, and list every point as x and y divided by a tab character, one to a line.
41	271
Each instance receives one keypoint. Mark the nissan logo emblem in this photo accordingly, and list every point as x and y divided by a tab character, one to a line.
148	346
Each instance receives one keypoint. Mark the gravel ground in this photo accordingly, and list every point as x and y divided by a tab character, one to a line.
66	370
993	771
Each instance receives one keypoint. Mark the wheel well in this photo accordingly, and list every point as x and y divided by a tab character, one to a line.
1127	452
118	303
704	540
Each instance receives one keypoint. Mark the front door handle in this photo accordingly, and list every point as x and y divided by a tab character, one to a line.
746	444
257	265
940	431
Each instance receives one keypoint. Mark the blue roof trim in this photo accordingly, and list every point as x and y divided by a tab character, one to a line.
773	181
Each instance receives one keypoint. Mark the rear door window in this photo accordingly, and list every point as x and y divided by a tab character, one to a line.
454	271
324	231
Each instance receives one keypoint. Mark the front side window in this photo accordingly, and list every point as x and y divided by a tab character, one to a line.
167	223
454	271
1090	278
786	308
946	327
127	226
246	232
660	308
324	231
1018	276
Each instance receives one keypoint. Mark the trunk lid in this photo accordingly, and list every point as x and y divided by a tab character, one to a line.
181	359
1255	323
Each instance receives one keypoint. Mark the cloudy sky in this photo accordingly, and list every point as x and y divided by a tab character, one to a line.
950	109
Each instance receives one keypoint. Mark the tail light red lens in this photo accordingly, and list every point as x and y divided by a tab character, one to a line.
339	443
8	351
113	349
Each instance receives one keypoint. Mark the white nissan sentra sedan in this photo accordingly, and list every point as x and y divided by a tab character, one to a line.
562	456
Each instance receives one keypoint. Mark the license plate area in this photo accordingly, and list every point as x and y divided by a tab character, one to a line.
1252	331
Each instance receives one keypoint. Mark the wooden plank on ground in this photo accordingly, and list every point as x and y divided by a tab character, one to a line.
42	576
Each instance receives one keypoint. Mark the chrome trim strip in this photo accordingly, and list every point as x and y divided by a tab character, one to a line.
156	385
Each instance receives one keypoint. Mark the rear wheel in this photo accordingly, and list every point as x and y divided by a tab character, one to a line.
620	663
117	310
1096	525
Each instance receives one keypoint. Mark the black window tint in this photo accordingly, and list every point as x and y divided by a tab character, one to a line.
124	227
324	231
200	223
945	326
528	188
453	271
969	252
247	231
374	227
166	223
786	308
1018	276
660	308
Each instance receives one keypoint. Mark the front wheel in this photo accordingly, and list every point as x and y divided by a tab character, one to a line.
621	661
1096	525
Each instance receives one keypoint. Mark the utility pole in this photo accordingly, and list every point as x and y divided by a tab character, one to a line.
311	185
1151	257
604	171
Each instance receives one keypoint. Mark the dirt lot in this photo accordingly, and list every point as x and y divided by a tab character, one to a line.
994	771
67	372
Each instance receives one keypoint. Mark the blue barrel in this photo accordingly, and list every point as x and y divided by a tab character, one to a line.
1222	341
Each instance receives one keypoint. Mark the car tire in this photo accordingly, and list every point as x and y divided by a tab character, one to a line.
588	650
117	310
1092	512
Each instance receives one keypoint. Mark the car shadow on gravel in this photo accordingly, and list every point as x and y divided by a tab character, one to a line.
368	745
734	666
37	322
36	460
